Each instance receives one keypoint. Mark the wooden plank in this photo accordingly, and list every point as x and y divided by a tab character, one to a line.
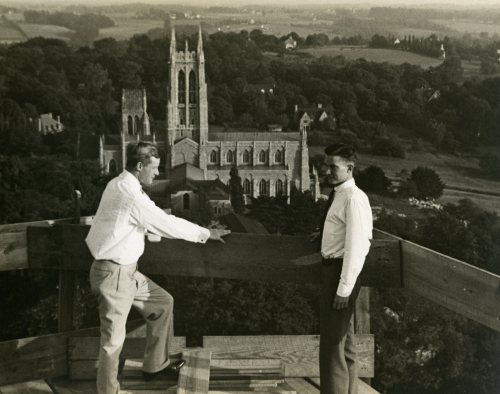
362	315
14	242
300	353
28	359
238	258
66	386
87	348
194	376
33	387
282	388
362	312
33	358
246	367
458	286
14	245
363	388
66	299
302	386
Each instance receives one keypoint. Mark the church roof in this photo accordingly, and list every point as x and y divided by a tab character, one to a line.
213	189
253	136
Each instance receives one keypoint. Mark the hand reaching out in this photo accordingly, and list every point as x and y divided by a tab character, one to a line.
216	234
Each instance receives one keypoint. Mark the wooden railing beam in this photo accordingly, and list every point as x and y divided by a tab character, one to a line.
244	256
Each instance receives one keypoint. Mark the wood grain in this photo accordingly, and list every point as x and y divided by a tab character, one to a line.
458	286
243	256
299	353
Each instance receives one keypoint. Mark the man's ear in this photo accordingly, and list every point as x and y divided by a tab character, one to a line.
350	167
139	166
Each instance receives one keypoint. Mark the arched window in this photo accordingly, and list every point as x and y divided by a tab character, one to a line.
185	201
230	156
263	188
278	156
246	187
192	88
130	125
246	156
213	157
279	187
262	156
137	125
181	87
112	168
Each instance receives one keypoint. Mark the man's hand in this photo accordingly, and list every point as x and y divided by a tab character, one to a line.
216	234
314	236
340	302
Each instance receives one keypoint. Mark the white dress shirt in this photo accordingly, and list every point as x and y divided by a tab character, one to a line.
125	215
347	233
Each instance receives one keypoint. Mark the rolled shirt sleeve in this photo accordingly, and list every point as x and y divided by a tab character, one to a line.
146	214
357	244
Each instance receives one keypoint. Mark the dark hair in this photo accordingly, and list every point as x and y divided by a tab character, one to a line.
345	151
140	152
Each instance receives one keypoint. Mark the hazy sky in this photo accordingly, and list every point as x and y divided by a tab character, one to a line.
413	3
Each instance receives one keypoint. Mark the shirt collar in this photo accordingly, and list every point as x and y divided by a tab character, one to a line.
345	185
131	179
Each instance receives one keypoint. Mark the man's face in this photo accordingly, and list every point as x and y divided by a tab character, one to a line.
149	171
339	169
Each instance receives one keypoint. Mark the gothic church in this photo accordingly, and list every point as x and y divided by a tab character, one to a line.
270	163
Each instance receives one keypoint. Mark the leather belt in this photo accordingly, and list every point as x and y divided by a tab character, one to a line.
332	261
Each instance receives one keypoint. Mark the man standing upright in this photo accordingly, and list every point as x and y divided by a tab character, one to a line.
345	241
116	241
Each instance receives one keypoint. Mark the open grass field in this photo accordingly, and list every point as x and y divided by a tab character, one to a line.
8	33
47	31
374	55
125	28
468	26
460	173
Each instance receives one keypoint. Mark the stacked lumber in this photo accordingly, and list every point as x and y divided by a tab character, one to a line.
246	374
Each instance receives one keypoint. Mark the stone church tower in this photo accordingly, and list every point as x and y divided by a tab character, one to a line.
270	162
187	107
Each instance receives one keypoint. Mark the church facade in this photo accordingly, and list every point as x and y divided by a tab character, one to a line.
270	163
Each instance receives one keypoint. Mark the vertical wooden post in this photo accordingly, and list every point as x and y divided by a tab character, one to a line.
67	283
362	315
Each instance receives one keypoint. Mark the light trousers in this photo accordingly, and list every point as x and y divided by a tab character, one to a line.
119	287
337	350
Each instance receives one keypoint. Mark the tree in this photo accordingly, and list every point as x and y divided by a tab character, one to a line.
428	182
236	190
373	179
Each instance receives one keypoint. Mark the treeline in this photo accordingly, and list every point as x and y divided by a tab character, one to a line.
429	46
482	48
83	86
411	14
67	19
85	26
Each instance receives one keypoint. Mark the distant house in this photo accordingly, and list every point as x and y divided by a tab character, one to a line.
290	43
48	125
313	116
264	88
397	42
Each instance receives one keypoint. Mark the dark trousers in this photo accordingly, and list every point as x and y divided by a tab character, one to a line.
337	350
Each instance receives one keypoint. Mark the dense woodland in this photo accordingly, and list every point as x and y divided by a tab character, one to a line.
83	85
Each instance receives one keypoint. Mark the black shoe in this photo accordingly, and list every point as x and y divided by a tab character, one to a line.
171	371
